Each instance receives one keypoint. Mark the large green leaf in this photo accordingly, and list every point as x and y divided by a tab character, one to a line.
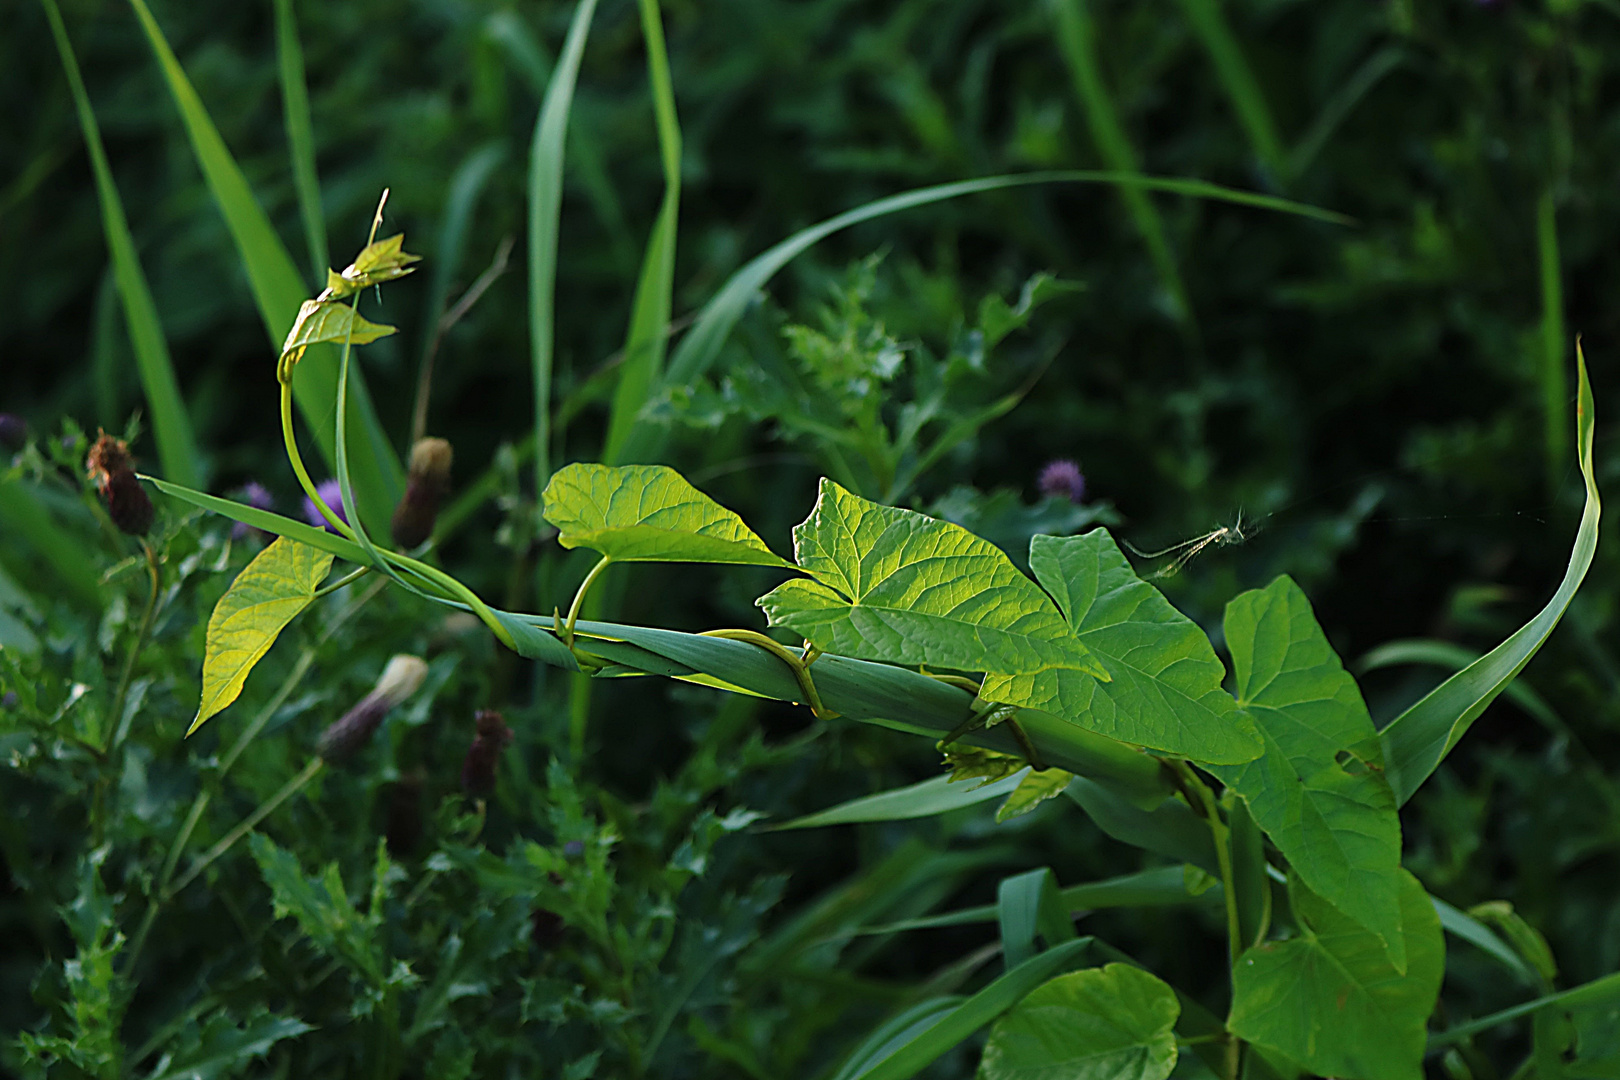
1164	689
897	586
1419	739
1110	1023
1319	790
267	595
1330	999
647	513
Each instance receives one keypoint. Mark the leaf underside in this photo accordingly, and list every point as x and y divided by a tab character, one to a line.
647	513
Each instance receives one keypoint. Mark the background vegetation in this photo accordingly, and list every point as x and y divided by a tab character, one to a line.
1385	403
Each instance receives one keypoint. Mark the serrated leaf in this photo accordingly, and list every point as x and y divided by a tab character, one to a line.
321	907
1164	690
897	586
647	513
222	1048
1111	1023
1319	789
1033	790
1331	1000
267	595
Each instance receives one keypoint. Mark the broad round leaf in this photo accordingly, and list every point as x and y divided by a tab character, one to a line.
1110	1023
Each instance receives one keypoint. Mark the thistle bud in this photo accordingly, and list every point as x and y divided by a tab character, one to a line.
427	482
478	768
13	431
111	469
1062	478
343	739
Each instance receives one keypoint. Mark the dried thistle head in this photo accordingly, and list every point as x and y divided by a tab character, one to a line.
344	738
111	469
426	484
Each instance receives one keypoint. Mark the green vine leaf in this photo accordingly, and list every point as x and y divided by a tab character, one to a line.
899	587
648	513
327	320
1331	1001
1319	790
267	595
1110	1023
1034	789
1164	690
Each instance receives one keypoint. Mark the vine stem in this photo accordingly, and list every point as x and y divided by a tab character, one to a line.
1207	808
579	596
120	727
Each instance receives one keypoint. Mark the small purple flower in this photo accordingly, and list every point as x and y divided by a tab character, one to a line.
13	431
331	493
257	496
1062	478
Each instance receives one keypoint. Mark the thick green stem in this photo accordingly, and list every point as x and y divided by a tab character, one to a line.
297	459
1199	793
579	596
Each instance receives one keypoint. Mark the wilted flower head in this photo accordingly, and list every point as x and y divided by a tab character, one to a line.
427	482
331	493
1062	478
399	680
478	768
257	496
112	470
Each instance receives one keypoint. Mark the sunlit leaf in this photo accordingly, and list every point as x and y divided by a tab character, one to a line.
1319	790
1164	689
900	587
267	595
647	513
1330	999
325	320
1110	1023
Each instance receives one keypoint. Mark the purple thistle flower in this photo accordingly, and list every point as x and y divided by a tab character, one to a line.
331	493
1062	478
257	496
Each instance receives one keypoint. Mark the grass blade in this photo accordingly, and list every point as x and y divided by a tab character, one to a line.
545	210
27	519
1237	79
644	347
926	1044
177	445
1420	738
1341	105
301	137
1077	40
937	795
1550	372
702	344
1455	657
278	291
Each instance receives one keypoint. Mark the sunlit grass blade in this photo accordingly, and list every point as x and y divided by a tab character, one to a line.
701	345
1077	42
177	445
1340	105
545	210
1238	80
1550	371
278	290
1455	657
646	343
528	61
1419	739
301	136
